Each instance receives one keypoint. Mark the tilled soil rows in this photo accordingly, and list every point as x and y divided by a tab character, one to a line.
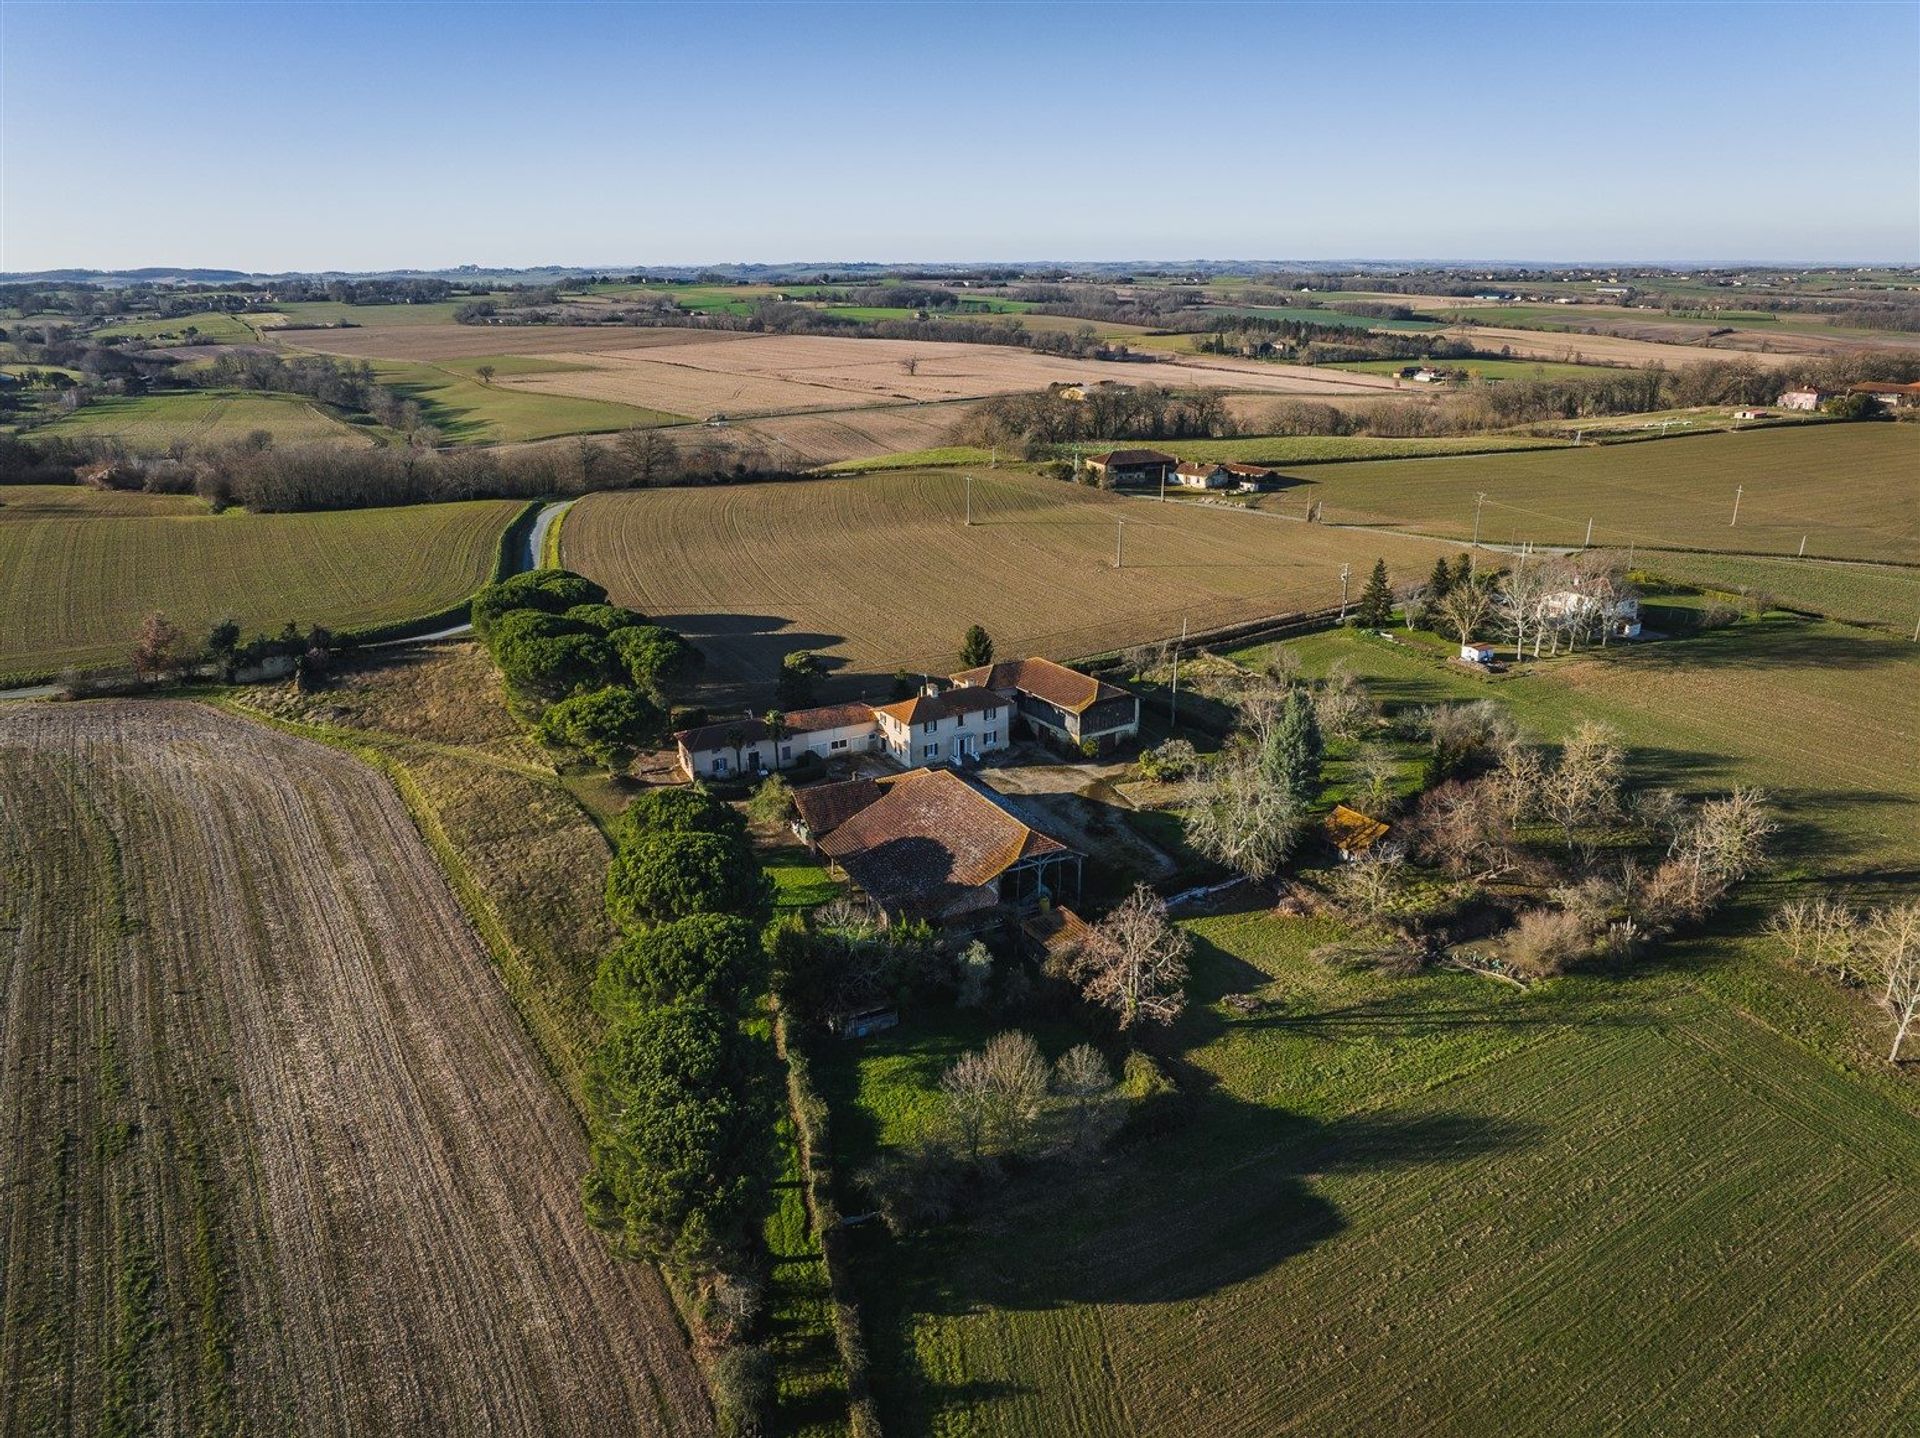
279	1157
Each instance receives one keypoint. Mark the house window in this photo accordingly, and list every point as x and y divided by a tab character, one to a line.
930	726
930	751
786	752
993	736
993	714
838	744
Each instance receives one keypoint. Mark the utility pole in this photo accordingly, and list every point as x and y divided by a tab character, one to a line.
994	462
1345	570
1803	548
1119	544
1478	500
1588	543
1738	490
1173	702
969	501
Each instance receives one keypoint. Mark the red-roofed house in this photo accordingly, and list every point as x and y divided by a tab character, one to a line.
940	847
1059	702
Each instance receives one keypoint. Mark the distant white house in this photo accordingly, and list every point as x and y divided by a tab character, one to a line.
1621	616
1192	474
1802	399
1476	653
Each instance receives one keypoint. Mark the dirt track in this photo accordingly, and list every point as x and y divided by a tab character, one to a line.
278	1154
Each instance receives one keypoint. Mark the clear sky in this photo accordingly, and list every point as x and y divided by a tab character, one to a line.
342	136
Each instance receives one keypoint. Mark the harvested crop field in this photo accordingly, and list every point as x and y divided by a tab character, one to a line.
813	440
879	572
1574	348
79	569
280	1155
451	341
1849	489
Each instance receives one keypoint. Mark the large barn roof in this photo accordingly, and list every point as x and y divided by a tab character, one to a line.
932	836
1060	686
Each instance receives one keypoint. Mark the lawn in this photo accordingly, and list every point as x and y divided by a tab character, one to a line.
1426	1204
79	569
454	401
154	423
1847	489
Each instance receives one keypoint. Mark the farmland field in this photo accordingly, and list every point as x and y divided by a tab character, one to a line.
153	423
1425	1204
211	327
1850	489
79	569
280	1156
1577	348
879	572
465	410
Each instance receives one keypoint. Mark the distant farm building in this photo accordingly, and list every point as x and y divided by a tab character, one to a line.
1621	616
1132	466
1893	396
1192	474
1254	476
1805	400
1753	414
1474	653
1058	702
934	845
956	726
753	746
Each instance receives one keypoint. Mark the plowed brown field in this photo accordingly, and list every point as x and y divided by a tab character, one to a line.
279	1157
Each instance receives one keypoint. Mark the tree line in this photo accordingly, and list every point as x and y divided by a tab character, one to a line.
1026	423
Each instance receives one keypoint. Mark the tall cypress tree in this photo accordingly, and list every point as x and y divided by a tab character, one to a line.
1376	600
1295	749
1440	581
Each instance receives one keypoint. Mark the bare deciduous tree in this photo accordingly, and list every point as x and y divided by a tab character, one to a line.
1893	940
994	1096
1583	786
1244	819
1465	609
1135	962
159	651
1084	1085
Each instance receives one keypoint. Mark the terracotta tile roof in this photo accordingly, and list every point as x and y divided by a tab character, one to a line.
825	807
929	839
1352	832
1057	932
927	708
1240	467
1127	457
1885	387
1060	686
800	721
1196	467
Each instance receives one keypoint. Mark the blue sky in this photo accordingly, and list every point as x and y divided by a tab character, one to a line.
307	136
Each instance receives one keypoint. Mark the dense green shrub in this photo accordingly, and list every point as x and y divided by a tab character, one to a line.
657	660
548	653
551	591
669	876
606	618
711	959
676	811
678	1138
607	725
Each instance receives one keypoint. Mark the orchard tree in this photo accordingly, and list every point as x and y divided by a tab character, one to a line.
160	649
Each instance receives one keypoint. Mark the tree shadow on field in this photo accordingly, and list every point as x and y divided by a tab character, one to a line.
744	651
1775	642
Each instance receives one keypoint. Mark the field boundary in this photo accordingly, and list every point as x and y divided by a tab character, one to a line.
810	1120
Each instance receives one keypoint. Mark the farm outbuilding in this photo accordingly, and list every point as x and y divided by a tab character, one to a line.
944	848
1060	703
1132	466
1352	833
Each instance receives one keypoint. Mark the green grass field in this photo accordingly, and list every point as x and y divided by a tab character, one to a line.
1688	1200
80	569
1332	448
153	423
1849	489
211	327
465	411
